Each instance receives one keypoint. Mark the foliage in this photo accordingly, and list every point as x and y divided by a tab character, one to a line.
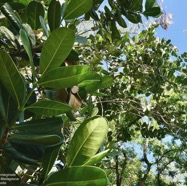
63	91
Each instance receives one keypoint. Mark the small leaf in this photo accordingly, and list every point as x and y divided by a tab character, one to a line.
77	8
54	14
44	26
86	141
56	49
34	10
11	78
106	82
97	158
80	39
64	77
49	108
79	175
39	126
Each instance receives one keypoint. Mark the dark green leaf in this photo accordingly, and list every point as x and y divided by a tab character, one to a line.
64	77
34	10
56	49
133	17
74	176
77	8
136	5
86	141
154	12
149	4
11	78
54	14
49	108
40	126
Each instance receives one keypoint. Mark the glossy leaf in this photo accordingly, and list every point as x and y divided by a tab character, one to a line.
12	16
35	138
49	108
11	78
54	14
86	141
56	49
75	176
97	158
77	8
34	10
64	77
49	158
149	4
39	126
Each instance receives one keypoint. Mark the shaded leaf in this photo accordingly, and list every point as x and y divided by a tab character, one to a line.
149	4
54	14
86	141
11	78
56	49
106	82
74	176
154	12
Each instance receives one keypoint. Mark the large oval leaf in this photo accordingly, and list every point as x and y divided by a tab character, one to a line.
54	14
11	78
56	49
49	108
64	77
34	10
39	126
77	8
78	176
86	141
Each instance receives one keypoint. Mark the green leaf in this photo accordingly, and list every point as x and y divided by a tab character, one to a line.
49	158
80	39
49	108
26	45
136	5
54	14
35	138
56	49
44	26
11	16
149	4
77	8
86	141
34	10
11	78
97	158
91	82
154	12
64	77
75	176
30	33
106	82
133	17
39	126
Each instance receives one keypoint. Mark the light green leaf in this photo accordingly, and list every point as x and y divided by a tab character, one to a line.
11	78
34	10
49	108
78	176
106	82
54	15
97	158
49	158
77	8
64	77
39	126
56	49
86	141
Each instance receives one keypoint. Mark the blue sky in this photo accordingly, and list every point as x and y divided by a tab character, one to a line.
176	31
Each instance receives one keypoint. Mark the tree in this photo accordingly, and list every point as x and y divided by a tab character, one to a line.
54	87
